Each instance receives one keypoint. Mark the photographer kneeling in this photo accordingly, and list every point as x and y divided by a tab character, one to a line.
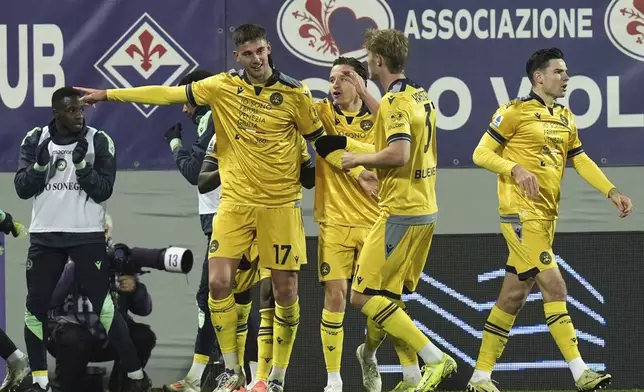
76	335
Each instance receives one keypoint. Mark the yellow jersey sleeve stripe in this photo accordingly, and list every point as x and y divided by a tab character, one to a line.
575	151
190	95
496	136
313	136
398	136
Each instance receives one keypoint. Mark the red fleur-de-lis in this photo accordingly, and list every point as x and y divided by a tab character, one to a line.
146	50
316	25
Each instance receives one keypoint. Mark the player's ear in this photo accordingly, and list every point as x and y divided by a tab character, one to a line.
269	48
236	54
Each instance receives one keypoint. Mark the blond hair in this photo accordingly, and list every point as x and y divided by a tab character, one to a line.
391	44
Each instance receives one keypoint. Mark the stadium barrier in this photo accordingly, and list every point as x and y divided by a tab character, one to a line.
459	287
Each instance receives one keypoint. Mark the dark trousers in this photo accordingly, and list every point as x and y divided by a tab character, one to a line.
206	342
6	345
74	347
44	268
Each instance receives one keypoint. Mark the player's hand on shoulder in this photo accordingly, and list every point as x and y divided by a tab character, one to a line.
92	95
622	202
527	181
368	181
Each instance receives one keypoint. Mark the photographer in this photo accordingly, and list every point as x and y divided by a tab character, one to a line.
68	169
76	335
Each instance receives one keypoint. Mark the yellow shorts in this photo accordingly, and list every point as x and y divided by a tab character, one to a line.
247	274
338	251
394	255
264	273
530	246
279	232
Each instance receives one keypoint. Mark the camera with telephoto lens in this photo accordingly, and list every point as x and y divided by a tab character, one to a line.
131	261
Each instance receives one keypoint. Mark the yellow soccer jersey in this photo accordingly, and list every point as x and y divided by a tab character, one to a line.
258	130
541	139
407	113
305	157
339	199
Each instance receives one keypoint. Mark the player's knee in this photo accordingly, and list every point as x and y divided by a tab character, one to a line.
358	299
219	286
555	290
512	301
335	296
285	286
266	299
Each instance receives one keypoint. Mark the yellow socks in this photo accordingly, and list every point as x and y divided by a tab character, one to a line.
495	336
561	329
265	343
285	326
395	322
243	311
223	314
332	333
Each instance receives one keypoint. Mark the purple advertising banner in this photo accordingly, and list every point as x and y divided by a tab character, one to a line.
469	55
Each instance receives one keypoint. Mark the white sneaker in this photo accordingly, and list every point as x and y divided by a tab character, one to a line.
16	373
370	375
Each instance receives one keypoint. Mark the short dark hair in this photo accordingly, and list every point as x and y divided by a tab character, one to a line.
391	44
355	64
540	60
248	32
195	76
62	93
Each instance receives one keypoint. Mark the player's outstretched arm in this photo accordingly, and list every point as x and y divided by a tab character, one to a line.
7	225
593	175
149	95
209	178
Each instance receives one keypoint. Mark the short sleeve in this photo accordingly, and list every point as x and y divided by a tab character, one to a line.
306	116
397	118
204	92
325	114
504	123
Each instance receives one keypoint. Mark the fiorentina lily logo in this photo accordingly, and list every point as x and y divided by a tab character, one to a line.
319	31
624	22
145	54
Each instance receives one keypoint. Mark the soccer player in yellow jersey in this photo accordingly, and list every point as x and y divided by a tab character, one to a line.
397	247
248	274
528	144
346	214
259	114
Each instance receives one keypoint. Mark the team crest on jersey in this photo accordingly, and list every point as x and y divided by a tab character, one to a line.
214	245
145	54
318	31
366	125
545	258
60	164
325	269
624	23
276	99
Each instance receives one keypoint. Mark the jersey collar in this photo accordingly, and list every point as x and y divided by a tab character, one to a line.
534	95
363	110
271	81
